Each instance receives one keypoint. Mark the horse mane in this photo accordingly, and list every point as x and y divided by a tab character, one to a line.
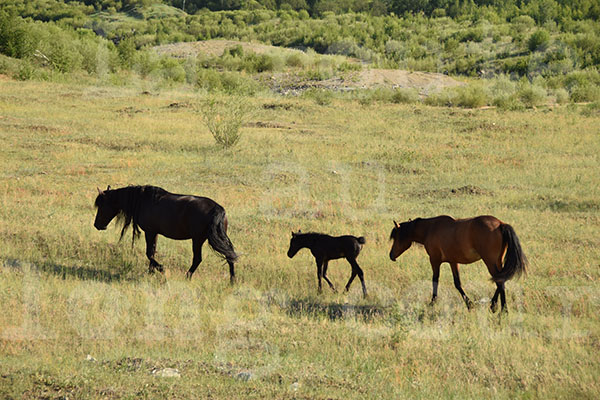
404	227
308	235
129	200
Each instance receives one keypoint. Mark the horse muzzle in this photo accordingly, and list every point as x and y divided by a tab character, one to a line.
392	257
100	228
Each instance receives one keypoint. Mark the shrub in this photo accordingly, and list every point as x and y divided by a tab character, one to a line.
224	117
532	95
172	70
405	95
538	40
444	98
585	93
504	94
321	96
295	60
471	96
561	95
16	39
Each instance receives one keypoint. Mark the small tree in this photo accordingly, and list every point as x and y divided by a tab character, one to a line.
224	117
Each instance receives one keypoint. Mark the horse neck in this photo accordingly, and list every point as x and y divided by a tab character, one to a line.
306	241
126	199
420	228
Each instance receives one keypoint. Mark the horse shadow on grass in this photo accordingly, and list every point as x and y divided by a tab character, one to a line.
68	271
334	311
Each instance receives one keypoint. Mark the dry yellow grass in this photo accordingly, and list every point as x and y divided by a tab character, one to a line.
68	291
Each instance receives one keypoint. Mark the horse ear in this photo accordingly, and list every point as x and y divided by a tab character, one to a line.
99	191
396	224
108	188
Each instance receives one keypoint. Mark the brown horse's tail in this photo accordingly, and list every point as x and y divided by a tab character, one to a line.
515	262
217	236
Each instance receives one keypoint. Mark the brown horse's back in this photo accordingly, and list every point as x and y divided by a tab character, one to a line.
464	240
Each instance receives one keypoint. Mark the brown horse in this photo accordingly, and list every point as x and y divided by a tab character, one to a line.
464	241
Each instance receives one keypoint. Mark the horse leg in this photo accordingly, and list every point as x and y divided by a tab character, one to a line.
231	272
492	266
356	270
325	265
493	305
197	248
150	251
503	299
458	286
435	266
319	262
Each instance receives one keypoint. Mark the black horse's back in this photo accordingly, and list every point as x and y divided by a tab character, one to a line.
175	216
325	248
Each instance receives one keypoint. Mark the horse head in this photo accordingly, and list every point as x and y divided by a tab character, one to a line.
402	237
294	244
107	209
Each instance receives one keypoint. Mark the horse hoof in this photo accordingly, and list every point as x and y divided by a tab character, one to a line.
493	308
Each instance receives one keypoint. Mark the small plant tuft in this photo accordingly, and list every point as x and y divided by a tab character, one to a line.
224	117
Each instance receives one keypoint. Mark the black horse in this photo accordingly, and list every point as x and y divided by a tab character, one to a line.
176	216
325	248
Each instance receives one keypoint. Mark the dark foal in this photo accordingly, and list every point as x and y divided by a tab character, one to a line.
325	248
464	241
176	216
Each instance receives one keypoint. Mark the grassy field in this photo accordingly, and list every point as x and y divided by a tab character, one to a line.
81	318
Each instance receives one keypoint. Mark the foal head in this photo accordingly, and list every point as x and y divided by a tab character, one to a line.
107	209
295	244
402	234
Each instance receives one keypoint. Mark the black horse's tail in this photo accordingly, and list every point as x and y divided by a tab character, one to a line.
217	236
515	262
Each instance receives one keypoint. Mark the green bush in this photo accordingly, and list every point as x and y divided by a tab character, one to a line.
445	98
561	96
471	96
224	117
322	97
295	60
532	95
538	40
405	95
585	93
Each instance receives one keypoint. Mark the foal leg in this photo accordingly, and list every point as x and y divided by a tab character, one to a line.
197	248
150	251
319	262
458	286
356	270
325	265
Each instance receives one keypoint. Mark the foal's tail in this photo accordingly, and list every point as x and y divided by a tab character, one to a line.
515	262
217	236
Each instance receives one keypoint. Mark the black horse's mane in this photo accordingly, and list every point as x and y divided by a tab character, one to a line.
129	200
309	235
